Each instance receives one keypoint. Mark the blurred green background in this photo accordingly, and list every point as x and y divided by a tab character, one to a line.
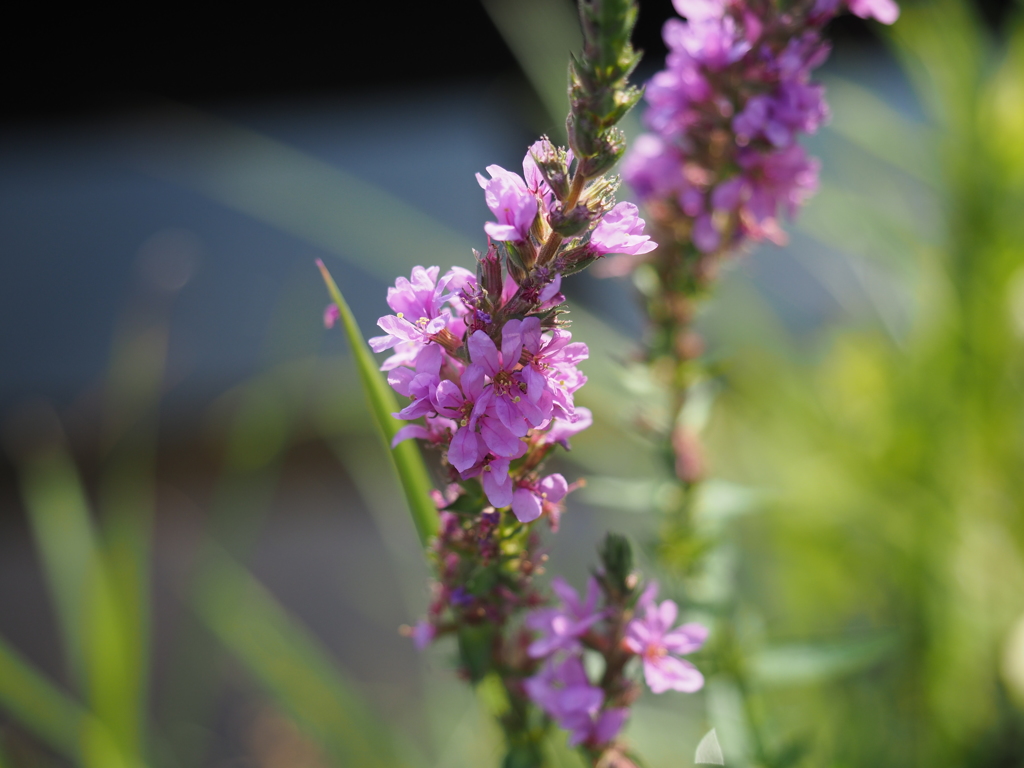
205	560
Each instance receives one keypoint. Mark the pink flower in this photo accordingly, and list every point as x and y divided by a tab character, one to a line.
622	231
530	501
511	201
420	310
653	639
562	626
514	405
886	11
564	692
550	370
696	10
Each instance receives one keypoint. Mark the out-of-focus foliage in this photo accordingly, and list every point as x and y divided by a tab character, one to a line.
880	591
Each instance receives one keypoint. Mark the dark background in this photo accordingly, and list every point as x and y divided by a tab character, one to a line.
71	64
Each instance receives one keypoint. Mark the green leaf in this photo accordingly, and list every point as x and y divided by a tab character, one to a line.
294	668
802	663
412	472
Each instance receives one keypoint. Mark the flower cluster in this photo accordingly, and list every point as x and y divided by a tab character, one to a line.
591	711
491	371
725	114
483	358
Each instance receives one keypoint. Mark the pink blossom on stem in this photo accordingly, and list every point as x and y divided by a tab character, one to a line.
424	306
562	626
511	201
563	691
622	231
531	500
654	640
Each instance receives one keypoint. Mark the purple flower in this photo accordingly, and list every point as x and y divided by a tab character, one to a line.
564	692
420	313
714	41
654	168
749	67
654	640
782	179
438	431
561	627
535	180
795	107
458	401
507	397
594	730
622	231
705	236
511	201
549	370
418	384
531	500
493	474
423	634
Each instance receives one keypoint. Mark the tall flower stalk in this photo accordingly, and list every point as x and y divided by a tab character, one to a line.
490	369
717	170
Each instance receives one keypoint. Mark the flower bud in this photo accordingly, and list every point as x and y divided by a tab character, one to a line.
488	273
513	261
569	224
689	455
582	135
553	164
617	558
599	197
609	147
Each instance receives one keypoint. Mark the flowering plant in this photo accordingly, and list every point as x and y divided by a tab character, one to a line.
490	369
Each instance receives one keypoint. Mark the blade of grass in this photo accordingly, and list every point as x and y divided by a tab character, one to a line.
291	665
76	569
63	531
408	462
120	627
48	713
52	716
